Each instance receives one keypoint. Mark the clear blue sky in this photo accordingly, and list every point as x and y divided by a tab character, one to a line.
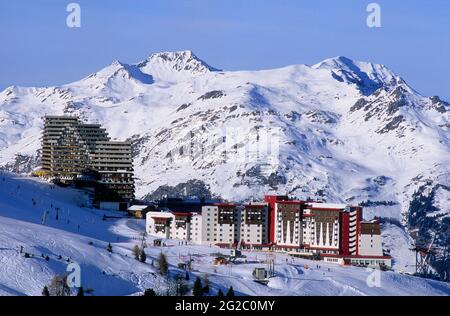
38	49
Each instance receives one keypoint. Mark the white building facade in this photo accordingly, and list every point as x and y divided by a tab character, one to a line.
335	231
169	225
220	224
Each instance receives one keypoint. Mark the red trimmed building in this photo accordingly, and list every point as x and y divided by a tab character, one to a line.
335	231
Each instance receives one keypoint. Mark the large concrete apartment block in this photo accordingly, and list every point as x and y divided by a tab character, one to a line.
72	150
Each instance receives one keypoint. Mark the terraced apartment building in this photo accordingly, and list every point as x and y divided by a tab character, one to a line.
76	152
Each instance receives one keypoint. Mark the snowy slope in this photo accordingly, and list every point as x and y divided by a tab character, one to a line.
340	130
120	274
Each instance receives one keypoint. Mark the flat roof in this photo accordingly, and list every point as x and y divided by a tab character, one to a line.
327	206
138	207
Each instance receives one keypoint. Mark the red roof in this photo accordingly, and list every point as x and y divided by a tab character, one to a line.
291	202
225	205
181	214
356	257
324	209
244	244
164	218
254	206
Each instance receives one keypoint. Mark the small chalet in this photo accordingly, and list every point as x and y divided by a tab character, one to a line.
140	211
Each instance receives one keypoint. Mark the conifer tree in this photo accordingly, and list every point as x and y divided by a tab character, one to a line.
162	264
45	291
149	292
80	291
142	256
136	251
198	288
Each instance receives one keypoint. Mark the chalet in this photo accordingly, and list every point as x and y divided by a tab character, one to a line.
140	211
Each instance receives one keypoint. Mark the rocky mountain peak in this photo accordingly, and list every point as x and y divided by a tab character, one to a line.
179	62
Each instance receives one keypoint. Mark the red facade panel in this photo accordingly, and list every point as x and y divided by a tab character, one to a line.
271	200
344	246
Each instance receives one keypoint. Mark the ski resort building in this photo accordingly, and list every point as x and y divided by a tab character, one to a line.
336	232
219	224
83	153
230	224
175	225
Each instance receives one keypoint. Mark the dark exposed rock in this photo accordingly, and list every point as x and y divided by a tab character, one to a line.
233	108
137	143
255	176
381	180
72	107
216	94
393	107
190	189
293	116
22	164
399	92
323	117
184	106
440	105
370	203
358	105
275	179
392	125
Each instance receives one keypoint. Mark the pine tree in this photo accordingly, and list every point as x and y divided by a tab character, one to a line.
58	286
142	256
45	291
136	251
206	282
181	287
198	288
220	293
109	247
80	291
163	265
149	292
230	292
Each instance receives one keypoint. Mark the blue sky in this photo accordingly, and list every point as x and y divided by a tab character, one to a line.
38	49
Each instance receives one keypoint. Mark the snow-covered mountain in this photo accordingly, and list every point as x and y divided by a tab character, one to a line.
341	130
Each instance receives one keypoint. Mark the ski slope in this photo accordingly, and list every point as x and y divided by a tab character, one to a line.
72	230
